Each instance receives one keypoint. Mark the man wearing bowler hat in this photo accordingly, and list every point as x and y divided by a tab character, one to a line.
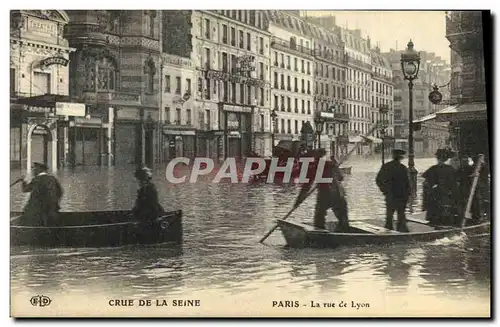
46	192
393	181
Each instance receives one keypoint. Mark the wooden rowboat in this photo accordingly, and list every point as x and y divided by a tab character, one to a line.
97	229
366	232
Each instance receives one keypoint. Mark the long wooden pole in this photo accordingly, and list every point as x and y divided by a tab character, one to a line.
477	170
314	188
17	181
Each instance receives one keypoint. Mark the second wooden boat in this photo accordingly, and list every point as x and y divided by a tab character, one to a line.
366	232
97	229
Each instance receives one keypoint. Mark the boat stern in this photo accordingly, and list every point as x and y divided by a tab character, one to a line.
295	234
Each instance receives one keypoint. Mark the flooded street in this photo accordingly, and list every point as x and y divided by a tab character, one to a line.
221	254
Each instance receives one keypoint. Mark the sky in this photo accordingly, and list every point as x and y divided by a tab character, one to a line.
393	29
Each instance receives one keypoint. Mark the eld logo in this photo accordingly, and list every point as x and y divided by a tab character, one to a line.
40	301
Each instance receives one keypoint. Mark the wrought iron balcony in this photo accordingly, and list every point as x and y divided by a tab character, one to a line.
287	46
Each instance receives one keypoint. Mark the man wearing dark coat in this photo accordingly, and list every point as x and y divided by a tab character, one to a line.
42	208
441	192
330	195
147	208
393	181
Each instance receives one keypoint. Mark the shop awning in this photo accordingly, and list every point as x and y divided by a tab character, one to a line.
466	111
45	100
373	139
355	139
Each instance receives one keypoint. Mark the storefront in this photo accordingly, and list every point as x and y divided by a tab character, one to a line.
237	122
179	143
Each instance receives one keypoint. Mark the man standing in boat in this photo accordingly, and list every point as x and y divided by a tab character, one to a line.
329	195
147	207
42	208
393	181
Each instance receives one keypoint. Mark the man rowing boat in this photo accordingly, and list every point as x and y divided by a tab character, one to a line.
42	208
330	194
147	207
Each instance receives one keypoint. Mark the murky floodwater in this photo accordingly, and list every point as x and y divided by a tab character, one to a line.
222	226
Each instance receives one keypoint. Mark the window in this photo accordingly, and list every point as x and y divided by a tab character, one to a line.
275	102
289	104
188	86
296	105
249	42
177	85
261	122
167	83
209	123
224	62
303	106
207	90
233	92
233	36
224	34
188	116
242	93
308	67
308	107
207	58
295	64
296	127
261	70
262	96
303	70
249	94
167	115
226	91
200	85
261	45
41	83
207	28
12	81
242	40
178	116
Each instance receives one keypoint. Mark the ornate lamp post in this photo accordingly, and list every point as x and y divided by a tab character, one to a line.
274	118
319	122
410	64
383	125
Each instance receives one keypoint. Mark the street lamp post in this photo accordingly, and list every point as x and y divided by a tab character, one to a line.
410	64
383	111
274	117
319	122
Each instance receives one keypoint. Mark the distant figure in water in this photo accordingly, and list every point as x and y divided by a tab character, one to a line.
393	181
147	207
43	207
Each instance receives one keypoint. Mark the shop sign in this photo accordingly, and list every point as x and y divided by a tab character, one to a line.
232	78
54	61
70	109
37	109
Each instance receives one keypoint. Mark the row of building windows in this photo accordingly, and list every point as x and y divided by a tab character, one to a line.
175	118
178	85
357	76
324	89
287	105
249	17
381	88
356	93
376	101
288	85
231	92
291	126
305	66
323	70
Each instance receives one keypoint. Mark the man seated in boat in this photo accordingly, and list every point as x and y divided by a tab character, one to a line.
329	194
147	207
43	207
393	181
441	192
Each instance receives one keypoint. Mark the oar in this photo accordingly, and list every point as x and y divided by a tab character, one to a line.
17	181
314	188
479	164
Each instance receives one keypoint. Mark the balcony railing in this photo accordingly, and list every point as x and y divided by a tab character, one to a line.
284	44
358	63
381	76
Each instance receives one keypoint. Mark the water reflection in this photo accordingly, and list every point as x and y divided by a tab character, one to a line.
222	226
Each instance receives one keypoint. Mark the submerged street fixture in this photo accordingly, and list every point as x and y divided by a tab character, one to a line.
410	65
274	118
319	123
383	125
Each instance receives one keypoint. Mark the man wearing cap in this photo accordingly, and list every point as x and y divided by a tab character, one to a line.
329	194
42	208
147	206
393	181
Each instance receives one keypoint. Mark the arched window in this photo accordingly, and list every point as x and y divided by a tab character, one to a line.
106	74
149	23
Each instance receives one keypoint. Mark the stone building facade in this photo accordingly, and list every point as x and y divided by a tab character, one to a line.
39	55
115	70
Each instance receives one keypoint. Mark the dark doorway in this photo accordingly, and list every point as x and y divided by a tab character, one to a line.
148	148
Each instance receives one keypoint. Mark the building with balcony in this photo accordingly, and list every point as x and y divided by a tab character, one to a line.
292	77
382	100
115	71
358	83
180	117
229	50
39	76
